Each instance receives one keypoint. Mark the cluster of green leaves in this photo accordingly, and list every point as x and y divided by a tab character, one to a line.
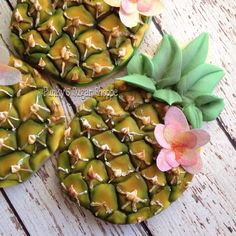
180	76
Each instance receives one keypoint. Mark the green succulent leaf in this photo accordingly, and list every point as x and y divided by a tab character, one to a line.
140	64
168	96
140	81
195	53
211	106
202	80
194	116
167	63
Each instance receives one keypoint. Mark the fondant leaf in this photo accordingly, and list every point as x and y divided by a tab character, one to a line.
140	81
194	116
168	96
195	53
201	80
140	64
167	63
211	106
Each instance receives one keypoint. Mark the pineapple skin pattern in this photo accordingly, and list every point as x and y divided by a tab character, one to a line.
31	125
107	157
76	42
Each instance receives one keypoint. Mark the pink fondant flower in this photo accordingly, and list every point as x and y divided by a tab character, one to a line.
130	10
8	75
180	145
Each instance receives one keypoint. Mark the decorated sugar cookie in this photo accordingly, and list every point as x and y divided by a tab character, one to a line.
132	149
78	42
31	121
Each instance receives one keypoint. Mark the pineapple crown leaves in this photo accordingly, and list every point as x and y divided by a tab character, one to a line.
180	76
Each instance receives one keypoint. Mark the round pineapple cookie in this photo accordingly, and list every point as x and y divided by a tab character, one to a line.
107	160
77	42
31	124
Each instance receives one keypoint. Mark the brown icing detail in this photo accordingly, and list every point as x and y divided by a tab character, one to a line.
56	113
130	100
31	41
105	150
114	33
24	84
127	134
37	8
35	108
88	44
50	28
17	63
19	20
4	117
97	68
132	199
92	175
75	156
65	56
89	128
2	143
110	112
98	7
33	139
146	120
15	169
41	63
75	23
67	134
102	205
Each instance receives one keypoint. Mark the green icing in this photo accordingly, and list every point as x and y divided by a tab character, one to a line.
195	53
167	62
138	80
201	80
167	95
180	76
141	64
210	106
194	115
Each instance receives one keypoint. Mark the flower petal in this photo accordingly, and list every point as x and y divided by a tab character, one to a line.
166	160
9	75
185	140
113	3
170	133
189	157
129	6
4	55
159	135
202	137
149	7
176	117
194	169
129	20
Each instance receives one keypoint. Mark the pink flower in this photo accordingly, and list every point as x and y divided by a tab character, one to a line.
8	75
180	145
130	10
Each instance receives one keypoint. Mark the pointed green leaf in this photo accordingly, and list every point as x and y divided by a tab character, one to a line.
167	63
140	64
140	81
211	106
195	53
187	101
202	80
194	116
168	96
